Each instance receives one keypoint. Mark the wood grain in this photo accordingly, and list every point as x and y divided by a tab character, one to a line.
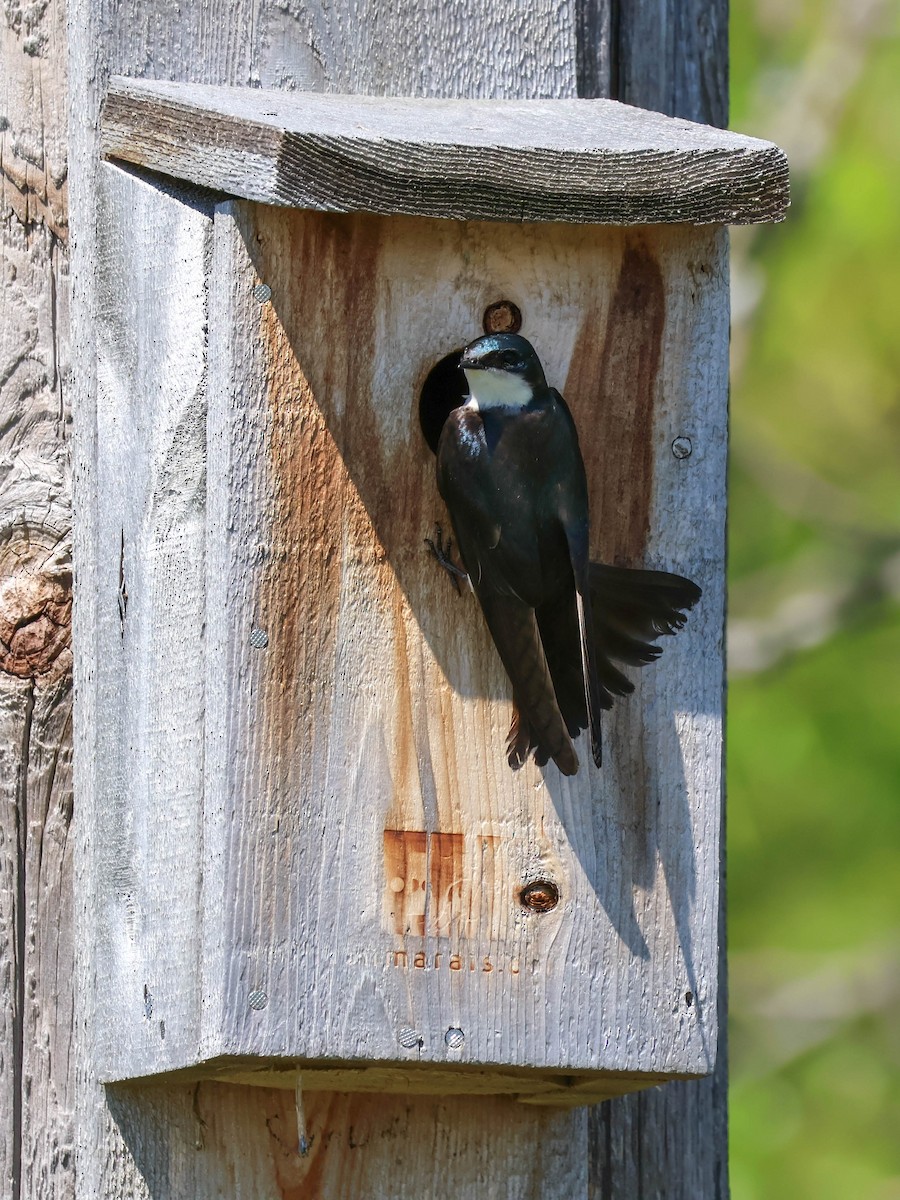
584	161
221	1140
150	530
37	1132
672	56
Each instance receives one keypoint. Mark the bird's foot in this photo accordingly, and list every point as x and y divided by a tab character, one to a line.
442	551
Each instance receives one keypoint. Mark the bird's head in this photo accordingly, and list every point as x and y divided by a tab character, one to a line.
502	370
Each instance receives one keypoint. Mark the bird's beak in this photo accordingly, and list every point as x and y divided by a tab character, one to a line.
470	364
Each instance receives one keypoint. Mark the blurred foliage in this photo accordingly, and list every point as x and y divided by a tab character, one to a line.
814	708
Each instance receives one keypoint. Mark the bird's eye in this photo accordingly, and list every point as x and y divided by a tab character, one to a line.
509	358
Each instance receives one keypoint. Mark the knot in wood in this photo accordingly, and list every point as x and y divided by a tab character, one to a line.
35	605
541	895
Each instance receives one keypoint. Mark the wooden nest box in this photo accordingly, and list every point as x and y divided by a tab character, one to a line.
308	850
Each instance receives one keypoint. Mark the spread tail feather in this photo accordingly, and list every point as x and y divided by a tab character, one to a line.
634	606
562	677
631	609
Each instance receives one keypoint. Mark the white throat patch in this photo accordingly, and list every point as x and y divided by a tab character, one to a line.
496	389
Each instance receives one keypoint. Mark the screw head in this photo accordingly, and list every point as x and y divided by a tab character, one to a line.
409	1039
502	317
454	1038
259	639
262	292
258	1000
540	896
682	447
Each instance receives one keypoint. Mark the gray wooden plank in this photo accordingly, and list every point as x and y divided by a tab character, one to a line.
667	55
372	704
596	46
586	161
672	56
151	320
36	940
476	48
35	927
226	1141
669	1143
48	1121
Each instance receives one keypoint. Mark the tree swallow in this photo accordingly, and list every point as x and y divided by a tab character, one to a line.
510	471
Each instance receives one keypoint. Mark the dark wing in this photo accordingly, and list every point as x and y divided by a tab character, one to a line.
537	721
465	483
573	512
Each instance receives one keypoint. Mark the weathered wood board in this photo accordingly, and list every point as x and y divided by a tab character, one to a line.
147	803
361	844
226	1141
594	161
37	1077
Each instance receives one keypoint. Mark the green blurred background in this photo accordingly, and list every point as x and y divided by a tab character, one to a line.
814	629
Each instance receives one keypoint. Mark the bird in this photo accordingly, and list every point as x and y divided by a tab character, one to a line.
512	476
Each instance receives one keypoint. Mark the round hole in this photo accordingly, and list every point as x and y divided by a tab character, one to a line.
443	390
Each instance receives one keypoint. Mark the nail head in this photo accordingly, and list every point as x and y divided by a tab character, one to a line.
540	896
502	317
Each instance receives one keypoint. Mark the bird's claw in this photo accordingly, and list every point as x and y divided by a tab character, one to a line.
442	551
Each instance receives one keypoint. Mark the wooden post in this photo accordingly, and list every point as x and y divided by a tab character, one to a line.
37	1151
220	1139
